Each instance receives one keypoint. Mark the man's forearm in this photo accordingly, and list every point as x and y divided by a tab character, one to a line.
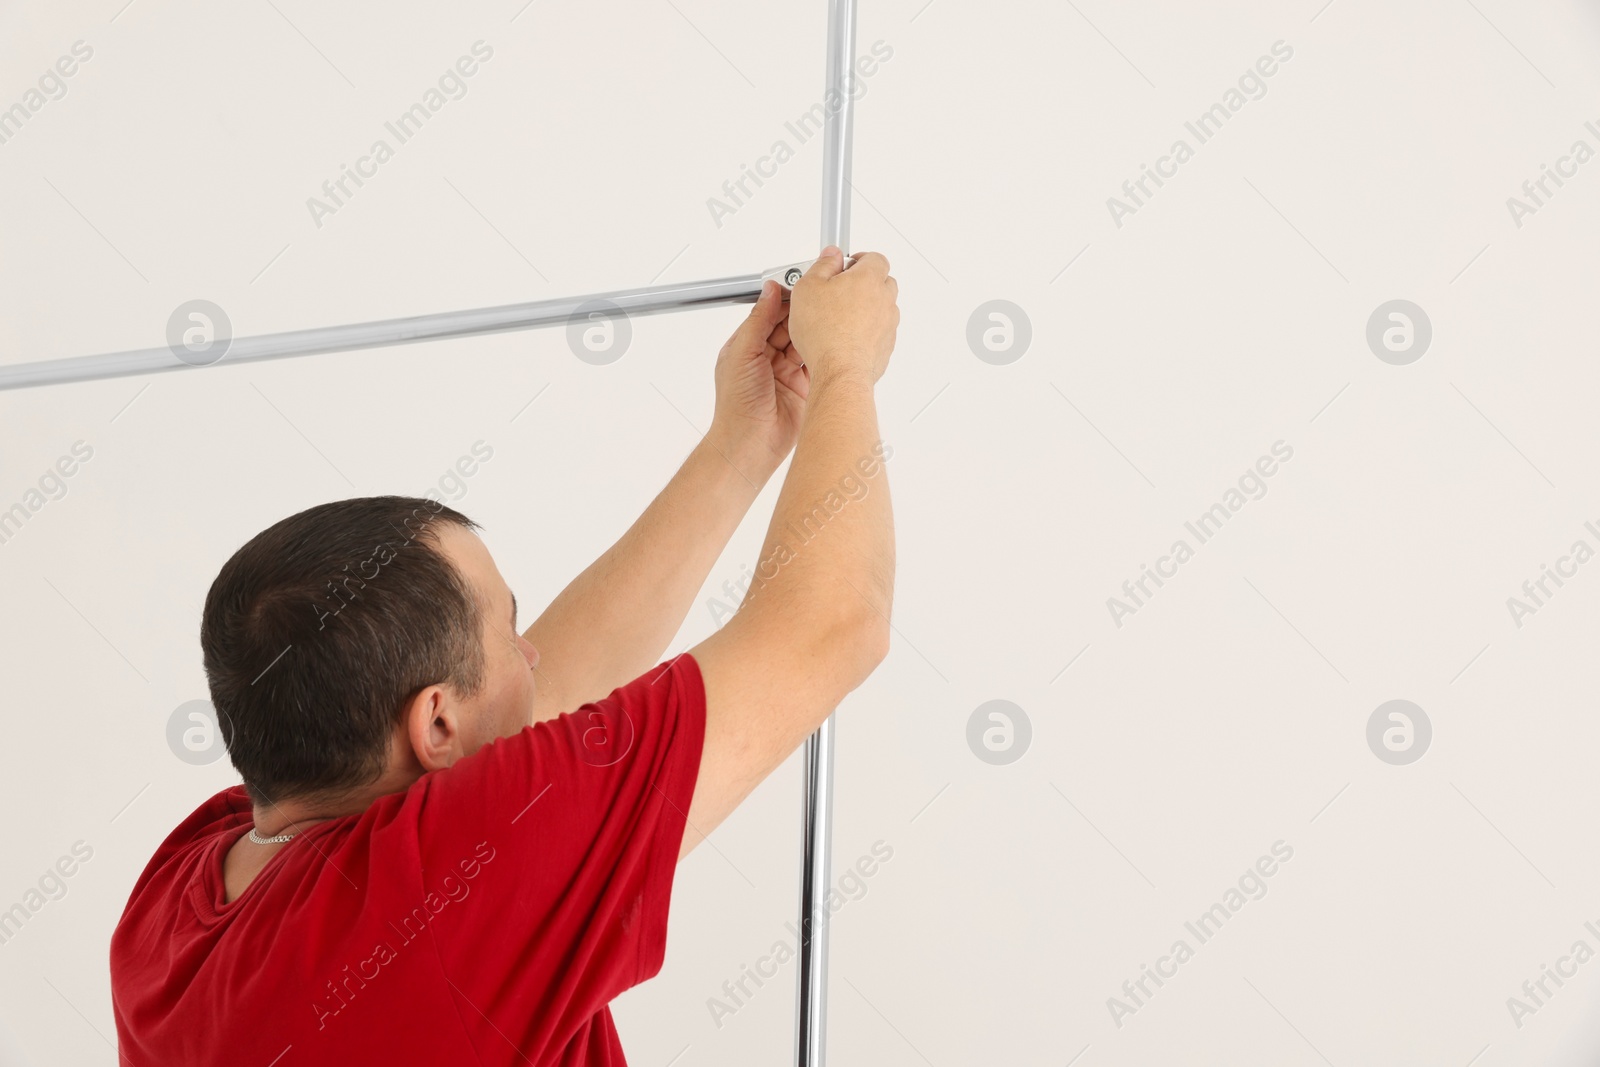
808	569
817	622
613	622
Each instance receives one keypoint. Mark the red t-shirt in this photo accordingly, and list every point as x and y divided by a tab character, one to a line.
485	916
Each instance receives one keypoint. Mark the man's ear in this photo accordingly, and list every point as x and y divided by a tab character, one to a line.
433	727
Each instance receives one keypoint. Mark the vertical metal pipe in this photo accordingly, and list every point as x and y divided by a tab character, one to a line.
811	1013
839	128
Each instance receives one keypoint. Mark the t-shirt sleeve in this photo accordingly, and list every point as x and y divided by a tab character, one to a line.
559	844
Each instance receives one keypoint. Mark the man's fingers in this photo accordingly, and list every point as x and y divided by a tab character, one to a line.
769	305
779	338
872	263
768	312
829	263
832	262
790	372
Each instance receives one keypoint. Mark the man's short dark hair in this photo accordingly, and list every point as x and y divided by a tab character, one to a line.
319	630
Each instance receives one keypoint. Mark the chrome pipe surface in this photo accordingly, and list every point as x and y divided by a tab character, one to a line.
649	300
811	1011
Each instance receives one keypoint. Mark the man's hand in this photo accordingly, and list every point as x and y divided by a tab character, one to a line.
845	321
761	389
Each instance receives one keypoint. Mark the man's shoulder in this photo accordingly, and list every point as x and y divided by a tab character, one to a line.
221	812
174	865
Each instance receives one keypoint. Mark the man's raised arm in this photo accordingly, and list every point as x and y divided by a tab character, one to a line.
816	621
613	622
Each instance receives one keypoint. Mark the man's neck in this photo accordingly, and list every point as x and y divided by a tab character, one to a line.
293	814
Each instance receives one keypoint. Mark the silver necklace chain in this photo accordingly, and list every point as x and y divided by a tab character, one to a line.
277	839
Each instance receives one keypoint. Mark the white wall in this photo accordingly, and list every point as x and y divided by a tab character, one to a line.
1228	313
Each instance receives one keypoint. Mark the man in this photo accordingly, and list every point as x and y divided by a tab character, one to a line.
455	843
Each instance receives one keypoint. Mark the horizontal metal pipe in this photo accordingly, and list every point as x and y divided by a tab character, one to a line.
678	296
